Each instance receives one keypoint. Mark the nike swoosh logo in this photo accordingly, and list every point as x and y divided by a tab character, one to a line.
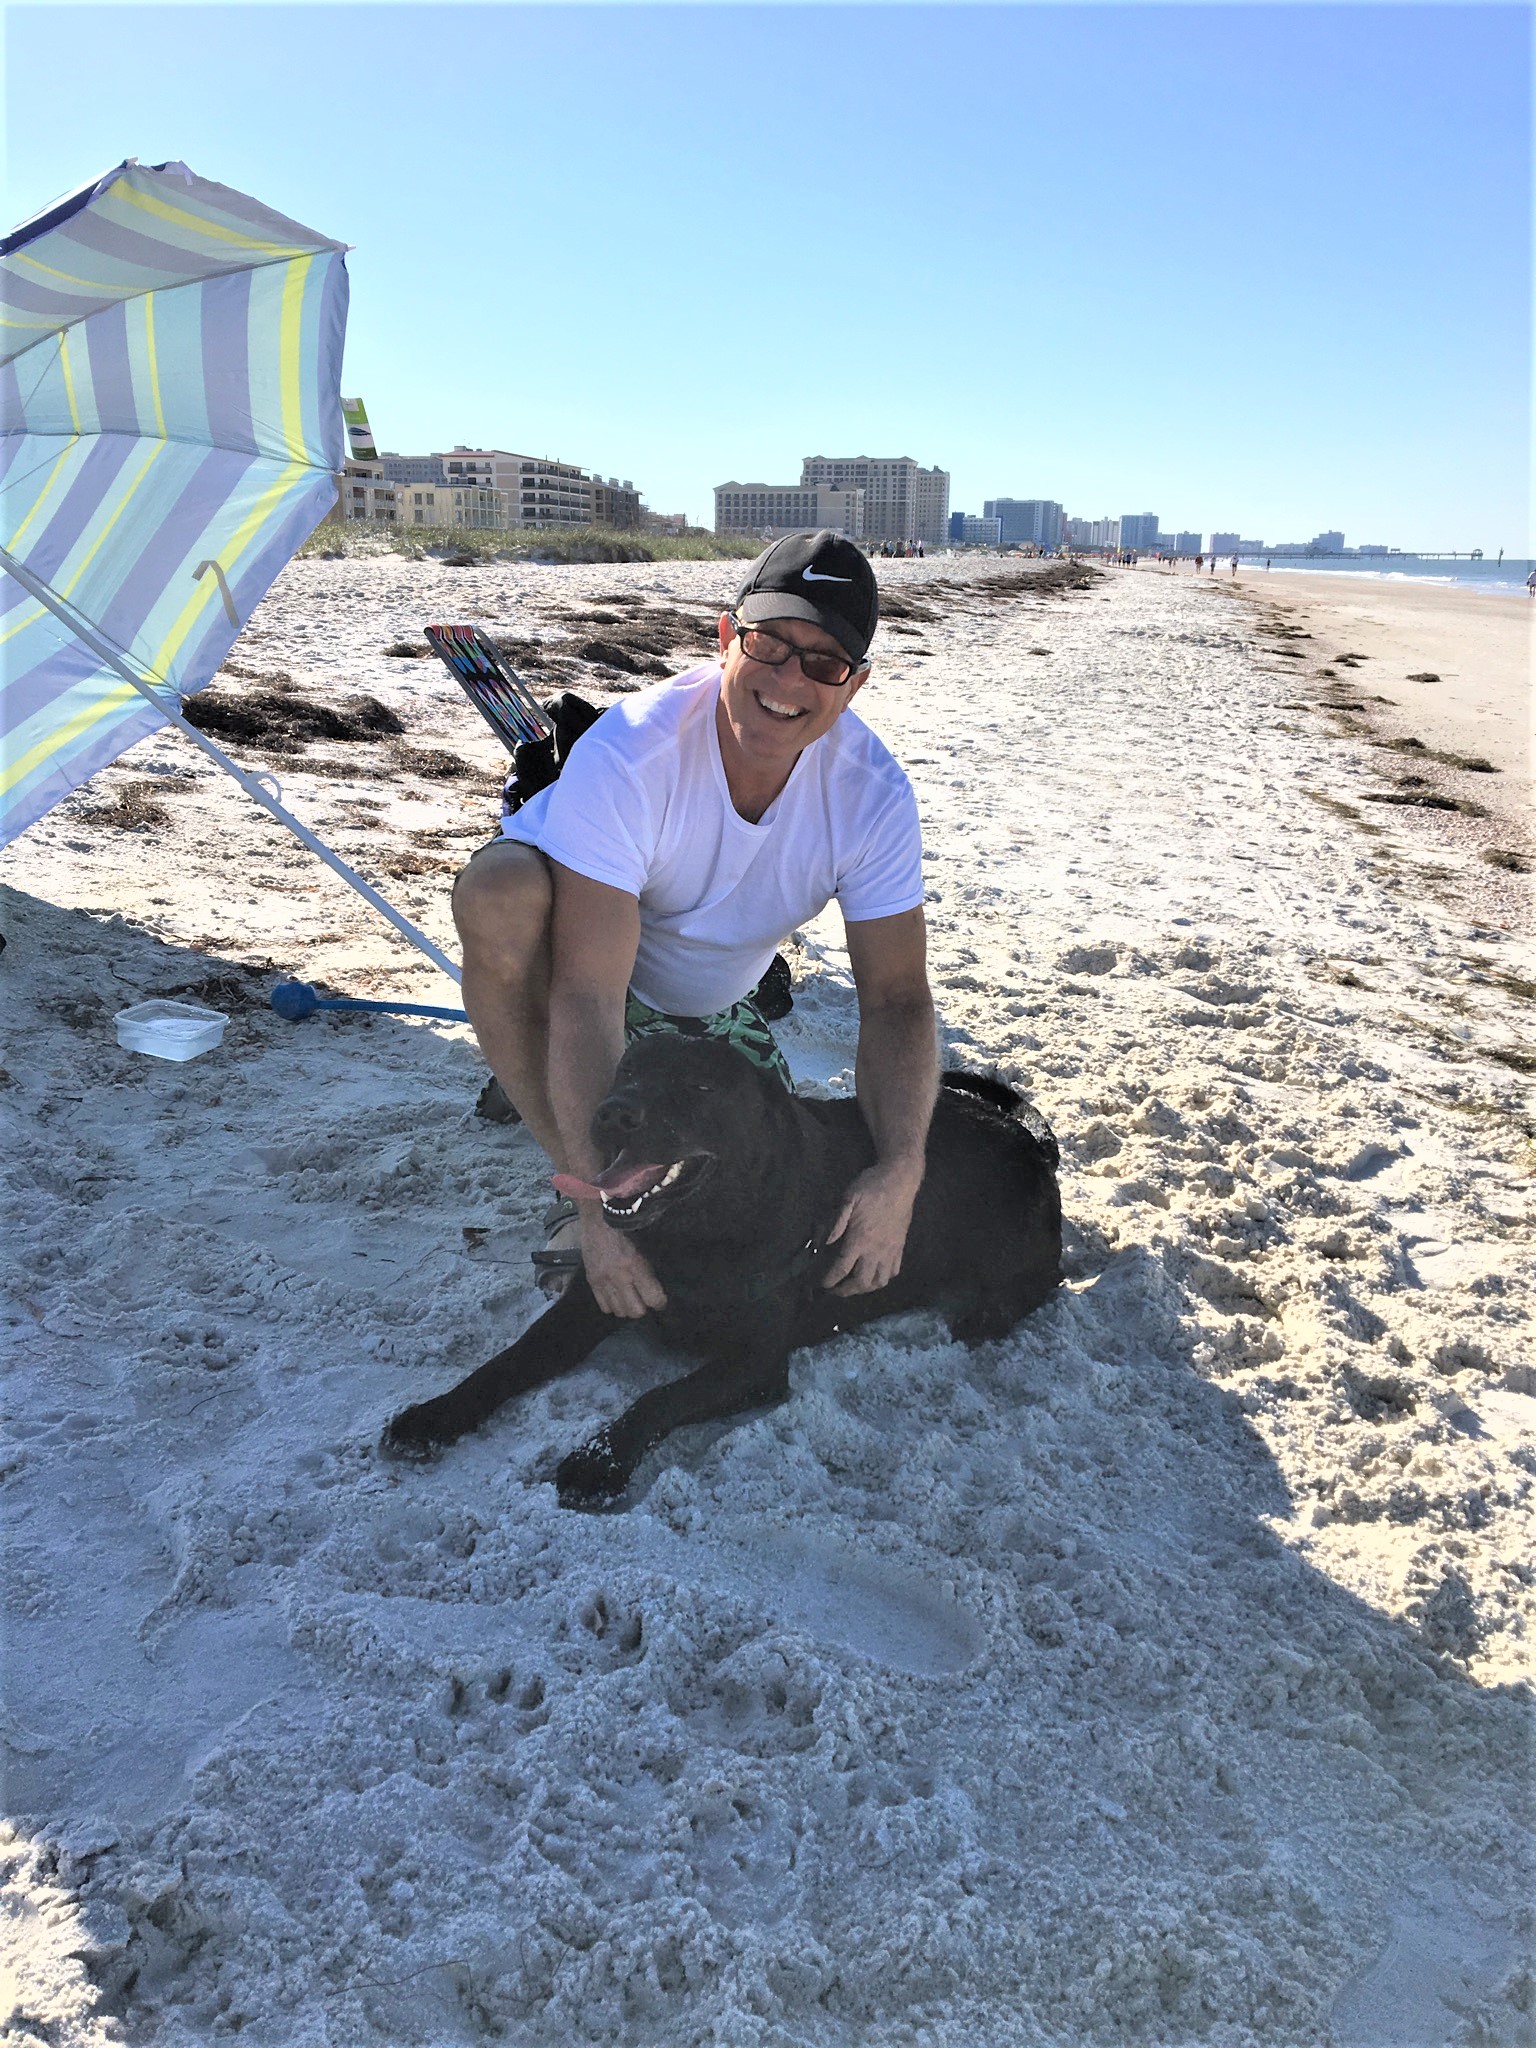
815	576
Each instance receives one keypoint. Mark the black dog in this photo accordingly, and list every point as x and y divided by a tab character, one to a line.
732	1183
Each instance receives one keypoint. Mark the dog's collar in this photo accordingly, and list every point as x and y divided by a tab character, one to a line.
761	1285
797	1266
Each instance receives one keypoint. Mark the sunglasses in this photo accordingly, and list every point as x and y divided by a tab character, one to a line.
771	652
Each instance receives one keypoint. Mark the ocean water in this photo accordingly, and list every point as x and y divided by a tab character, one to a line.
1489	574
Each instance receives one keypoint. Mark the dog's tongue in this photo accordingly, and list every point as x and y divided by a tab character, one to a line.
619	1180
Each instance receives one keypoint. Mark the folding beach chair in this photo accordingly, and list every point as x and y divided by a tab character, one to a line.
539	737
496	691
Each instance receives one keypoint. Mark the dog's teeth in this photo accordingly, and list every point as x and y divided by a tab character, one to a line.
637	1202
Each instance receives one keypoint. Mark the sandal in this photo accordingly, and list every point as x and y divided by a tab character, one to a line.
557	1262
495	1105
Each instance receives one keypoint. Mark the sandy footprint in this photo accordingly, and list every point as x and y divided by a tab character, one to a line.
887	1612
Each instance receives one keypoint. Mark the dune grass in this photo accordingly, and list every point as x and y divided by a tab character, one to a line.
466	547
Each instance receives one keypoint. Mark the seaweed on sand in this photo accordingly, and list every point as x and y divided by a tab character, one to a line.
134	807
609	654
1470	764
438	765
646	640
1340	809
1425	800
281	721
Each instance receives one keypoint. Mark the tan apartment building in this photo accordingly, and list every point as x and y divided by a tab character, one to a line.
615	503
460	503
535	491
772	509
528	490
501	488
364	492
902	500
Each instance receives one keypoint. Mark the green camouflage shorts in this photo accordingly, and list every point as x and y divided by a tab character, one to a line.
742	1024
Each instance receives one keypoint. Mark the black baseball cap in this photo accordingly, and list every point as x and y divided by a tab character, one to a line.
822	577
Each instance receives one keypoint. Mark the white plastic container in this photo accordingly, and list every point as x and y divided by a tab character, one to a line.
169	1031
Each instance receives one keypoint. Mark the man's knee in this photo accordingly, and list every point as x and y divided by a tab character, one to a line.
502	899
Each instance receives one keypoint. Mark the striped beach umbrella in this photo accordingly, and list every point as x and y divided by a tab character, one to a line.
170	367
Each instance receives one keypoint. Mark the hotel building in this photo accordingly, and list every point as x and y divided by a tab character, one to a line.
1139	529
1026	521
772	509
902	500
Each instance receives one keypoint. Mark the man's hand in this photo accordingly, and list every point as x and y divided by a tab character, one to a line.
897	1073
618	1274
871	1229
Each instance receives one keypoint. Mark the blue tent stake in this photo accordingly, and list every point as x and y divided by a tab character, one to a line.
296	999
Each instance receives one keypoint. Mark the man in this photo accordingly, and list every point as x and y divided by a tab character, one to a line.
693	828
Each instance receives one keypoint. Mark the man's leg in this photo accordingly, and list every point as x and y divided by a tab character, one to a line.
501	905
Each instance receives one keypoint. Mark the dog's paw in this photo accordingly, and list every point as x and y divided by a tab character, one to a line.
592	1476
418	1433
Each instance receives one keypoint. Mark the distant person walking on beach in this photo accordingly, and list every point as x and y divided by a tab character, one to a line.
1530	584
1234	565
1199	563
694	826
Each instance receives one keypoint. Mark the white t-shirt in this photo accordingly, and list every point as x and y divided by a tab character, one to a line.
642	804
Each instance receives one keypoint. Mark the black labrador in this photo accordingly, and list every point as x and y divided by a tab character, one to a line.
731	1184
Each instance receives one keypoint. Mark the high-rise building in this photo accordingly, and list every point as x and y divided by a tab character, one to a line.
986	532
902	500
1026	521
1090	533
1327	543
1224	543
1138	529
1185	544
773	509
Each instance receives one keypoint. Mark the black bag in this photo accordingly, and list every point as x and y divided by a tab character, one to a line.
773	995
537	763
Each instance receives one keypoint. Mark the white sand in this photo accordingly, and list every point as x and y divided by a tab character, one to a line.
1475	644
1156	1675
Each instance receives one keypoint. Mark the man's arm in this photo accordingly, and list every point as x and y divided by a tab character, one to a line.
595	932
897	1074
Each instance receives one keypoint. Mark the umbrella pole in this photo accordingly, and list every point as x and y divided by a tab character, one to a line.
253	785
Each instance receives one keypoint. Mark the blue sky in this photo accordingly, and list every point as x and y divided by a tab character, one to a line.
1245	266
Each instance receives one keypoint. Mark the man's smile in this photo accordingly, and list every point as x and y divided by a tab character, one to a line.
775	709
